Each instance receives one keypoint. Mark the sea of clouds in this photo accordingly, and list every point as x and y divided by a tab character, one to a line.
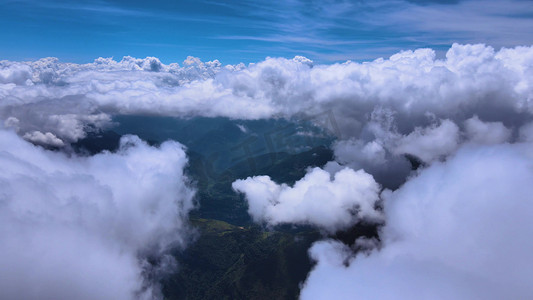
457	227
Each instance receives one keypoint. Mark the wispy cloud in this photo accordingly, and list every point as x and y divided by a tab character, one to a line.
337	26
325	30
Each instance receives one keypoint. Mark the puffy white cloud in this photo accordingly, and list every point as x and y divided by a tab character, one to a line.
373	157
410	103
430	143
472	80
65	99
40	138
486	132
319	199
458	230
380	147
84	227
16	73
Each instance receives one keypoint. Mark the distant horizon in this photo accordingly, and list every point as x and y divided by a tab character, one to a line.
325	32
440	54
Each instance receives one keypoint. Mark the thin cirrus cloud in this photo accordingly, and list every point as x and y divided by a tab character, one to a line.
360	30
252	30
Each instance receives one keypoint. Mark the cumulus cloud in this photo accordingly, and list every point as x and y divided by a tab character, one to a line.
380	149
384	112
486	132
497	86
85	227
328	202
458	230
68	99
388	169
431	142
40	138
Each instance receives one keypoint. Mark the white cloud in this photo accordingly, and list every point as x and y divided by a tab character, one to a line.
497	86
430	143
83	227
389	170
329	202
458	230
486	132
40	138
454	231
410	103
16	73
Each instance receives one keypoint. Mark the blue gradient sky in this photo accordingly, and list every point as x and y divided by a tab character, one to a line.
248	31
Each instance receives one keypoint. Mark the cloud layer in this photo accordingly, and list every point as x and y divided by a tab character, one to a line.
63	99
455	228
458	230
83	228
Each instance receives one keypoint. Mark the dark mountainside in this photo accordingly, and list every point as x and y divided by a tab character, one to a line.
232	258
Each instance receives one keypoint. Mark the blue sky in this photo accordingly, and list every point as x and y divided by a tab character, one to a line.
248	31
